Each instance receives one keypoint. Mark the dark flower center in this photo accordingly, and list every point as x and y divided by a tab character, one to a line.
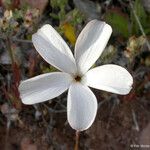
78	78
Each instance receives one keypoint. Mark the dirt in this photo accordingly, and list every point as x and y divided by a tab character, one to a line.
113	129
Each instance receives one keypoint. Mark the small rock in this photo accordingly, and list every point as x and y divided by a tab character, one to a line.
26	144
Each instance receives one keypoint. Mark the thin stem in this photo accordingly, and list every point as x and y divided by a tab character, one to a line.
135	120
16	40
77	141
10	50
21	40
139	23
7	132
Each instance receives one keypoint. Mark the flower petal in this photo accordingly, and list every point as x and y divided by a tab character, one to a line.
53	49
91	43
81	107
44	87
111	78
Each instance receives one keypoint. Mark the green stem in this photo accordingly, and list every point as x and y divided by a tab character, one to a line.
139	24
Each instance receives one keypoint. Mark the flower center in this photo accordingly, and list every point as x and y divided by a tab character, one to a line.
78	78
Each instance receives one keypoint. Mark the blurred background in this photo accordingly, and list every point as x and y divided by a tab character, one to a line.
122	122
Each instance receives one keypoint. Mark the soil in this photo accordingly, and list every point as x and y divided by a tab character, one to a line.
113	129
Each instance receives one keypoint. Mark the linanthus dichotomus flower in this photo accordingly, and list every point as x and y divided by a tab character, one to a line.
75	74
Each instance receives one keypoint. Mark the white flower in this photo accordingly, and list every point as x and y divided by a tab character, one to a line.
75	75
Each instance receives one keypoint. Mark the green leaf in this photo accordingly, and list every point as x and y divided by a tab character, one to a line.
118	21
58	3
142	16
54	16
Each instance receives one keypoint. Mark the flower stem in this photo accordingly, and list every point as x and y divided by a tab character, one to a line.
77	141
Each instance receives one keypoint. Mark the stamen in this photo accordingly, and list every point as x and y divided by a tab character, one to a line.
77	78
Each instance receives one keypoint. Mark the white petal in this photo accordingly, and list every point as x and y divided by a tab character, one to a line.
111	78
44	87
53	49
81	107
91	43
